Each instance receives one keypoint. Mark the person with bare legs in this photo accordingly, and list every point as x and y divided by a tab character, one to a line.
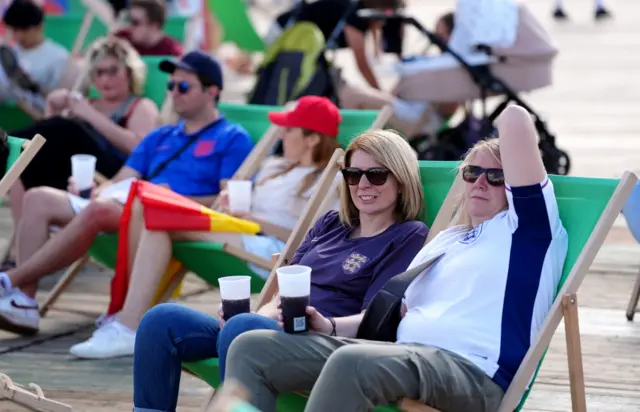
192	158
410	117
282	189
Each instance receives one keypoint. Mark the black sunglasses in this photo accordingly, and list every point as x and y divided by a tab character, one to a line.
377	176
495	176
183	87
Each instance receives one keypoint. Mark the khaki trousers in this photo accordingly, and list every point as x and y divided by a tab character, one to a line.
354	375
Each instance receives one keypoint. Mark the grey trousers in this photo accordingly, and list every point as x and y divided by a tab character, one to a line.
354	375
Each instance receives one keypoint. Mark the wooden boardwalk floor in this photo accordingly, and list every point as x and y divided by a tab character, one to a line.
593	107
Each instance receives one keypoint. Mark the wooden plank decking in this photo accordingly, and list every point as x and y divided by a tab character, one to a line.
593	107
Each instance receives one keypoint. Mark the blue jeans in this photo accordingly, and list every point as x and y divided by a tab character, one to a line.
170	334
631	212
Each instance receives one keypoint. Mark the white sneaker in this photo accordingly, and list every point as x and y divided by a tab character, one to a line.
18	312
110	341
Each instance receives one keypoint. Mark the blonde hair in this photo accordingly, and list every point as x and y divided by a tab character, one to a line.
126	55
461	213
393	152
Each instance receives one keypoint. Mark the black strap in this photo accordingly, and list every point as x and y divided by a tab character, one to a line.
121	111
399	283
331	41
178	152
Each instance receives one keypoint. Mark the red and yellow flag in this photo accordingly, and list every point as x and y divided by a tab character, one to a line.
165	210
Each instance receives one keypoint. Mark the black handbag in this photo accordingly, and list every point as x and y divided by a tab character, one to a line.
382	316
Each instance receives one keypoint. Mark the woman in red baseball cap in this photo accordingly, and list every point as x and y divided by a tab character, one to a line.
282	187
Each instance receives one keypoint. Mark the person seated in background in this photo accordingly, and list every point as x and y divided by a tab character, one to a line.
283	186
326	14
216	149
409	117
145	29
466	323
107	127
352	253
34	65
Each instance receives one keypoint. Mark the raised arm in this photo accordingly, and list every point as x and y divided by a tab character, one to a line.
521	160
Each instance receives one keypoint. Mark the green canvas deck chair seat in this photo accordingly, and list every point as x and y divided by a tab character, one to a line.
588	208
211	260
437	180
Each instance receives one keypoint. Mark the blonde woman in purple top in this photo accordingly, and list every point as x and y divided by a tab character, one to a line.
352	253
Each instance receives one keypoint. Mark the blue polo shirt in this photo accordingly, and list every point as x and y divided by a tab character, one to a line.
215	155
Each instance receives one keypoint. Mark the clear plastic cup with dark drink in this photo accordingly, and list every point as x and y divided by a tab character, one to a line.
235	292
294	283
83	167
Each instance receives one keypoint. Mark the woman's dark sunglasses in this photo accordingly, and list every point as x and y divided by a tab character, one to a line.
183	87
495	176
107	71
377	176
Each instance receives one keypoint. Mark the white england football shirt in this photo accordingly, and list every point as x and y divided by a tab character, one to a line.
487	298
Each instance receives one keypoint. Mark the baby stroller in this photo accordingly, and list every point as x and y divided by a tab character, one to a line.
469	69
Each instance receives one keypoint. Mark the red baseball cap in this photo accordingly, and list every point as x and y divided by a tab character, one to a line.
314	113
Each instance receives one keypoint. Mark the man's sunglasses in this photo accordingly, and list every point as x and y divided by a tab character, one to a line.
495	176
377	176
183	87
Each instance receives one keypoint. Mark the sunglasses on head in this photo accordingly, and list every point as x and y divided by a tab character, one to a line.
183	87
495	176
377	176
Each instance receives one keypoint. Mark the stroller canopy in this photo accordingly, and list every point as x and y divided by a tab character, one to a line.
493	23
522	54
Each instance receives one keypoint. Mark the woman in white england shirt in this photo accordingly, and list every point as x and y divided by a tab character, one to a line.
467	323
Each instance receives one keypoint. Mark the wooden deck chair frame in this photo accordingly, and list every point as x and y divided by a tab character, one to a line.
34	401
632	306
248	168
30	149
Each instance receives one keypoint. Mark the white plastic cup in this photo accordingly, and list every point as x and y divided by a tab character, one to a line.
294	280
235	292
294	284
83	167
239	195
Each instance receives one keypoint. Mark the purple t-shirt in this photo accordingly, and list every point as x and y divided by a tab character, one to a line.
347	273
